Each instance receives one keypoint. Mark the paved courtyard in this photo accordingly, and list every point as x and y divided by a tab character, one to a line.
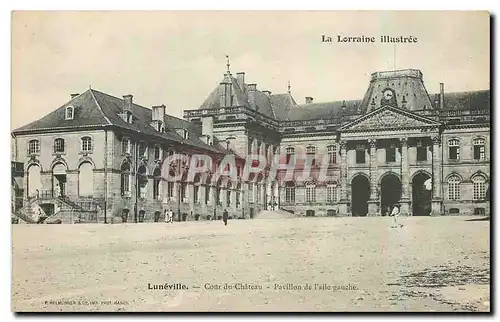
299	264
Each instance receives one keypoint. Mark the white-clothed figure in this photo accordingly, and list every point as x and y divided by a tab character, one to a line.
395	216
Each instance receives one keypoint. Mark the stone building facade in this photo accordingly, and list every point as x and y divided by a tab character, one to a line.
428	153
102	157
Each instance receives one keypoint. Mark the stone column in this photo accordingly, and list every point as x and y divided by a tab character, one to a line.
405	172
343	179
436	176
373	202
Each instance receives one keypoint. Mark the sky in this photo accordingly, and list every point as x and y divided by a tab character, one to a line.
177	58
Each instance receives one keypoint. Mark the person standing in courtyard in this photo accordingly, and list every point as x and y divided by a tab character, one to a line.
395	216
225	215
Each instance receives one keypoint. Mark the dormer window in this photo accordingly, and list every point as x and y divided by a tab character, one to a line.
70	112
160	127
129	117
184	133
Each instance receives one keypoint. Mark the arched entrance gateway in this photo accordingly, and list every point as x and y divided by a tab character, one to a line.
390	189
360	187
421	194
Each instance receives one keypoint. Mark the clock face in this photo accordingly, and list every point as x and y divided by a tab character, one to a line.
387	94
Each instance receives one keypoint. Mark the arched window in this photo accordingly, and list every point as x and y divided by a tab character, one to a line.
310	192
332	154
85	180
157	183
142	180
454	188
454	149
70	111
59	145
125	179
479	182
290	192
86	144
126	146
479	149
34	147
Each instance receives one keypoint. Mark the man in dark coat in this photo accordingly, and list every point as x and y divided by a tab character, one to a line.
225	215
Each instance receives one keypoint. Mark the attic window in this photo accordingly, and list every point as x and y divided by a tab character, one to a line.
185	134
70	112
160	127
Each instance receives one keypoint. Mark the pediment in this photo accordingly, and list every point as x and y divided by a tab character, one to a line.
389	117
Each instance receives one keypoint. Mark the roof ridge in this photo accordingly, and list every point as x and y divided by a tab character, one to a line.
99	106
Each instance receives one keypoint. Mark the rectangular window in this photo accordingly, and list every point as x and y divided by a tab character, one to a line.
422	153
331	194
360	156
250	192
157	153
478	152
34	147
59	145
142	150
196	190
257	193
207	195
310	194
332	154
454	152
170	189
390	154
86	144
290	194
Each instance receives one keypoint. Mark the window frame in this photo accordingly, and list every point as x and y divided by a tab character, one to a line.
69	115
35	149
63	150
86	144
454	183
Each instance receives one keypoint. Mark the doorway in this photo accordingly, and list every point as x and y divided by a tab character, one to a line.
360	194
421	195
390	188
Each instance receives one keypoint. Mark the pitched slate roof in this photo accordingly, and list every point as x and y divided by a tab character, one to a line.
325	110
86	113
471	100
272	106
95	108
458	100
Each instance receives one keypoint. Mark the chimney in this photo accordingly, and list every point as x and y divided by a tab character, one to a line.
251	94
74	95
441	96
268	93
309	100
158	113
127	102
240	77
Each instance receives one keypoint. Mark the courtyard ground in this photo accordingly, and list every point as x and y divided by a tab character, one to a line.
299	264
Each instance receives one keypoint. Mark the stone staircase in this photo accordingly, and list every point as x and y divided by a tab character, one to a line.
66	211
